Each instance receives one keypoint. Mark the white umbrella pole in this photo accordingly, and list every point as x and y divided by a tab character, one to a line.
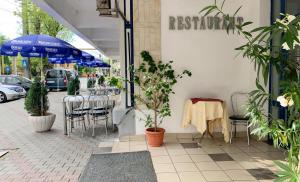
1	63
15	65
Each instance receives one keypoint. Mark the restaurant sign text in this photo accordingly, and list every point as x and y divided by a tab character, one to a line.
203	22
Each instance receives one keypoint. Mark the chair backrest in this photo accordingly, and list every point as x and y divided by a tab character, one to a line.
99	103
102	91
74	103
239	102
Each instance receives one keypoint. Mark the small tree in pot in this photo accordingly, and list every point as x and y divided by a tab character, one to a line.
73	87
101	80
156	80
37	105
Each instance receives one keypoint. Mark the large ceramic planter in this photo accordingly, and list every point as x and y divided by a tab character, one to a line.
155	138
42	123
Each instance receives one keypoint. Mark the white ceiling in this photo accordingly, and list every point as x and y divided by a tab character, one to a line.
81	17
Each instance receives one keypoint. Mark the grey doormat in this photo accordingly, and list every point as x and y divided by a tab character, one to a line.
119	167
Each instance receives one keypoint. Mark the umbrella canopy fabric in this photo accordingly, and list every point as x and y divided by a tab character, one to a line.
8	53
42	44
56	61
96	63
61	60
85	57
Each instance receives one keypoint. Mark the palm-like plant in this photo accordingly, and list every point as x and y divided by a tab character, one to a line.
263	54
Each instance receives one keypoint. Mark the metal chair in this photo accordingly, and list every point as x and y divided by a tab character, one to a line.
238	103
74	112
99	110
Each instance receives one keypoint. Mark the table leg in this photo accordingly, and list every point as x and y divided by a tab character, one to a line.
207	130
65	119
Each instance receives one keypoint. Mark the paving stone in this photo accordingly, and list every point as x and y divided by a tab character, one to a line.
44	156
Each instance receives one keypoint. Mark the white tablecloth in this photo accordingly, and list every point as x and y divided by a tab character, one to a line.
213	111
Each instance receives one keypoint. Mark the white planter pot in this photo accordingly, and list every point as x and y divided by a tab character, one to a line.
42	123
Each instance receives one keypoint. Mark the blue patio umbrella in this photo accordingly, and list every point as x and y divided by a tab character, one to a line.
57	61
85	57
43	44
96	63
8	53
40	46
101	63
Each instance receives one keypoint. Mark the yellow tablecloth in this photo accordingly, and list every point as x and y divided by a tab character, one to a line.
213	111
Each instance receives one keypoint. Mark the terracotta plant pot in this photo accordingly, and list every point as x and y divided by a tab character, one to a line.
155	138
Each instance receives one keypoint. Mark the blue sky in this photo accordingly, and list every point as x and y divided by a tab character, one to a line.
10	25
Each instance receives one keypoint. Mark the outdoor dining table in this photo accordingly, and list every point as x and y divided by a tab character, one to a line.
112	98
206	115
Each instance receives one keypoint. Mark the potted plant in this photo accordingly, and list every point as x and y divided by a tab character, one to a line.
91	83
101	80
73	87
155	80
37	105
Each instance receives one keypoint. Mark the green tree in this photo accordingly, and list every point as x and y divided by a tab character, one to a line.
4	60
36	21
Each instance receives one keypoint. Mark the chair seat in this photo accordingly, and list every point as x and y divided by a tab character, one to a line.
99	108
97	113
239	118
83	109
76	114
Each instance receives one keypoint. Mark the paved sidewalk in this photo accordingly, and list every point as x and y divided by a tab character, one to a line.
49	156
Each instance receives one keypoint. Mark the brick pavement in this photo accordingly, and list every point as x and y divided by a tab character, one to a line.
49	156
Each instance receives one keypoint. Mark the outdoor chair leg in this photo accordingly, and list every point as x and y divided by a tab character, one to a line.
83	120
231	132
235	131
93	127
69	128
106	125
82	128
88	119
112	121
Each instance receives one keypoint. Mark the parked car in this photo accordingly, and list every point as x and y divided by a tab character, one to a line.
16	80
10	92
56	79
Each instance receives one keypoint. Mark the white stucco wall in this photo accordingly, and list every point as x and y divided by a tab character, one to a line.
209	54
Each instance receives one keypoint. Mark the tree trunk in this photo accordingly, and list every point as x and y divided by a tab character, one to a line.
25	24
155	121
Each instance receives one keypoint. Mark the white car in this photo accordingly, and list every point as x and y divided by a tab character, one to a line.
10	92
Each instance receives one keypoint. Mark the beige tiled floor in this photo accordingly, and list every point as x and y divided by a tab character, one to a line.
172	162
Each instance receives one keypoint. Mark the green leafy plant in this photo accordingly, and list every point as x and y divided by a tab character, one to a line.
115	82
91	83
288	173
101	80
156	80
260	50
73	87
36	102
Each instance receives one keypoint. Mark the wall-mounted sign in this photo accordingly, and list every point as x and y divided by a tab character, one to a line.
7	69
202	23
